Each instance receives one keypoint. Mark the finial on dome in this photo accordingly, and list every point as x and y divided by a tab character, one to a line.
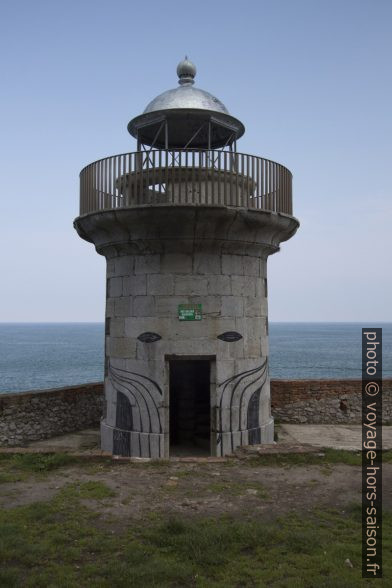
186	71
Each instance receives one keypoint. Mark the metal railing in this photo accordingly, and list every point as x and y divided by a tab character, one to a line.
185	177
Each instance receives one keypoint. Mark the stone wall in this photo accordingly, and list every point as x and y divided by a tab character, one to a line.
323	401
144	293
35	415
40	414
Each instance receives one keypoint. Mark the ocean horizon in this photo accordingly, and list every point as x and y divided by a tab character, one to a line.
38	356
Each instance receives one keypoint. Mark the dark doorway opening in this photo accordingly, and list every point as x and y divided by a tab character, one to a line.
190	427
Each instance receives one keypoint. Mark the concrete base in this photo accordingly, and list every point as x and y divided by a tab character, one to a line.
347	437
88	439
131	443
229	442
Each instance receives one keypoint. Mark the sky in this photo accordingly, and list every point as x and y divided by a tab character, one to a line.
311	81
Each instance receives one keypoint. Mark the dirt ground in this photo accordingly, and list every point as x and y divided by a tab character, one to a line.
234	487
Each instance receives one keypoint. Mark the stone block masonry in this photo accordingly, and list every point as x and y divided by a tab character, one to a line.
185	257
323	401
31	416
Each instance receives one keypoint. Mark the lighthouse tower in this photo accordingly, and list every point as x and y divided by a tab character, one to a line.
186	224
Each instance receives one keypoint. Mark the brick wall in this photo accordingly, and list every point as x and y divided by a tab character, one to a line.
323	401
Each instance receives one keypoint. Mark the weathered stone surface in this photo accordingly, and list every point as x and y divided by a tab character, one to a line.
233	264
251	266
115	287
121	347
117	327
323	401
190	285
136	325
161	257
155	225
219	284
143	306
160	284
243	285
109	312
167	306
206	263
252	306
135	285
211	305
252	347
147	264
110	268
35	415
176	263
232	306
124	265
123	306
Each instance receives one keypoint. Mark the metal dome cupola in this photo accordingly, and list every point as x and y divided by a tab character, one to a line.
186	117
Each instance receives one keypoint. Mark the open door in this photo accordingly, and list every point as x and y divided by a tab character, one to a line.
190	402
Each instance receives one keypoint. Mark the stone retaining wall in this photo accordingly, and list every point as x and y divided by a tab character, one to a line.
40	414
323	401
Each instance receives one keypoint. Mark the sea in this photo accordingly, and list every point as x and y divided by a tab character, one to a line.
38	356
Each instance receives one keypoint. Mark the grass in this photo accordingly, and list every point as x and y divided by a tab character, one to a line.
63	544
92	489
237	488
14	467
156	463
185	473
17	467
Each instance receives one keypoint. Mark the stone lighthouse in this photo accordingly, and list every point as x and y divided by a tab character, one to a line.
186	223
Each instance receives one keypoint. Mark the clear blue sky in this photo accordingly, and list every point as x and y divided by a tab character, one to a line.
310	79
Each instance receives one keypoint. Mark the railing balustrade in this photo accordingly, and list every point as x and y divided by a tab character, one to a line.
202	177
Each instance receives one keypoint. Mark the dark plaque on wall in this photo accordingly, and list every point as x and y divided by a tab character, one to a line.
230	336
149	337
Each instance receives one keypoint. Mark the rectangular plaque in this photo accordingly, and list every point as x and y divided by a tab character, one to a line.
189	312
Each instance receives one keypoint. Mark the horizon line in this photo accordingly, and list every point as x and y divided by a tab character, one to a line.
273	321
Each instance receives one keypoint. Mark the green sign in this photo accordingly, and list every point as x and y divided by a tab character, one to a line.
189	312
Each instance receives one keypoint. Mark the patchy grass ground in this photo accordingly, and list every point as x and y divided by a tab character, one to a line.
282	521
